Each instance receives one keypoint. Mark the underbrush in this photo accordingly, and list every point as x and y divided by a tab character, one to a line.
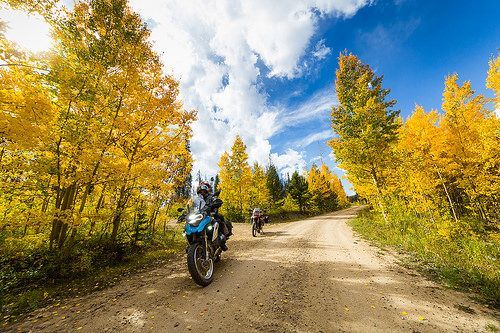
290	216
452	254
282	216
37	276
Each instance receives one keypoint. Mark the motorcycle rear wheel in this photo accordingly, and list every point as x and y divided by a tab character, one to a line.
201	269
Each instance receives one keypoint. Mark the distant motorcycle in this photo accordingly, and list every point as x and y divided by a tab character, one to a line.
258	219
205	239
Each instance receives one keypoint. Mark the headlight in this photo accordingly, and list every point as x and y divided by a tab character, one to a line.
194	218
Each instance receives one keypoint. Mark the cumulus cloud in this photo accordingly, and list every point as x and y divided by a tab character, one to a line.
217	48
289	162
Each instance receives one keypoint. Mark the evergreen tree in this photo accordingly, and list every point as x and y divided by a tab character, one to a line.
274	185
299	191
216	182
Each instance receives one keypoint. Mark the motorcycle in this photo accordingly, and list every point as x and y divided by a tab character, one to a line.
257	222
205	240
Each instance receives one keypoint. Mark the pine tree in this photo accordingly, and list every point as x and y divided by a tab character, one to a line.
216	182
299	191
274	186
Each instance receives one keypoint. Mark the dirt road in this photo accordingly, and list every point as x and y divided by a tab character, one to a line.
313	275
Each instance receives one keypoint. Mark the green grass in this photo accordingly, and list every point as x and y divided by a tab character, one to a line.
462	260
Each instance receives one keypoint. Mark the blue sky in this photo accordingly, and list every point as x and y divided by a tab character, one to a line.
264	70
414	44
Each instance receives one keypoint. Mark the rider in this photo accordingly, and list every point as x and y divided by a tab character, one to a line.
205	191
257	214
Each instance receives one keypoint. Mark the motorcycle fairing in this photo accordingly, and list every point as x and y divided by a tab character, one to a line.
199	228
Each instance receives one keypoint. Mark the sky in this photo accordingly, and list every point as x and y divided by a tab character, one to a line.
265	69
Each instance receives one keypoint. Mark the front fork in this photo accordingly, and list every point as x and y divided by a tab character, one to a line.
208	248
205	236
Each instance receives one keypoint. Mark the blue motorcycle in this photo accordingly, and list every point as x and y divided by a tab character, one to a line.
205	240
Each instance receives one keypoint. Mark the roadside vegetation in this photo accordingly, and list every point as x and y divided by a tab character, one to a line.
466	262
433	179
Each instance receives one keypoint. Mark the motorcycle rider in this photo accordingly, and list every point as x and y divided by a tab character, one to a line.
204	190
257	215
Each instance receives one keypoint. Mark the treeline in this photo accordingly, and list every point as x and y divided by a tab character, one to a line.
435	164
434	177
94	142
245	187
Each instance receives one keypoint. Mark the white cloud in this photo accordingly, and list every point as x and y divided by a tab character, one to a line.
321	50
29	31
388	39
289	162
213	48
317	105
313	137
316	159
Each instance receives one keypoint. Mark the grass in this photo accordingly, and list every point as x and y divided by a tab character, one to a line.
465	261
28	294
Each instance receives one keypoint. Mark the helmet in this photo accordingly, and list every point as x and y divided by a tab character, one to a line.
204	186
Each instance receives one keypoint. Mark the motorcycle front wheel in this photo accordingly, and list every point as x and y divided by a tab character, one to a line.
254	229
200	267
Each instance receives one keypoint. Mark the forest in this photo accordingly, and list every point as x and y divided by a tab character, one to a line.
244	187
95	155
433	179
